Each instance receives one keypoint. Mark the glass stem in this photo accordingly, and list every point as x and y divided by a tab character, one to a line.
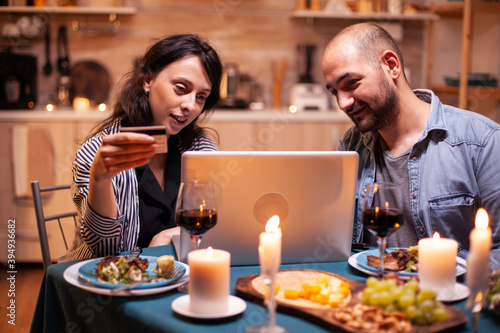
271	300
381	247
196	241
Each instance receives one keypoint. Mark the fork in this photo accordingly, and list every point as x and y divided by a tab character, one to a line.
134	254
171	274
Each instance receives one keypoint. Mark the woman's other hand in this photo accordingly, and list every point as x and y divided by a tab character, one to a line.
164	237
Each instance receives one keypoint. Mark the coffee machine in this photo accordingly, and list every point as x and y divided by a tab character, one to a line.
18	80
307	95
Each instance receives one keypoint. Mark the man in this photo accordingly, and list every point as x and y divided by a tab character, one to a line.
447	160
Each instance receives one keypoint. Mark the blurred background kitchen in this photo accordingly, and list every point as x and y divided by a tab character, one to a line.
61	60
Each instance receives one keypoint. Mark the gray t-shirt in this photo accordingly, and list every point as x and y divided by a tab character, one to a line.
394	169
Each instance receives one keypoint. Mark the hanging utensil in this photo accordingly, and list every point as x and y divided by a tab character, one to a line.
63	51
47	68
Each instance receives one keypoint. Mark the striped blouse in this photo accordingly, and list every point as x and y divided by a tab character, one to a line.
100	236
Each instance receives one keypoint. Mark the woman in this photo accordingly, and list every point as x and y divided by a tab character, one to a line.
125	192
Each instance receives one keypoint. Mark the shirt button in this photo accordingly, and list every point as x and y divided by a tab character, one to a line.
364	191
414	195
414	158
421	230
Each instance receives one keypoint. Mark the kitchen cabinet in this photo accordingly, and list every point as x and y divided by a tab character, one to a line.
237	130
465	11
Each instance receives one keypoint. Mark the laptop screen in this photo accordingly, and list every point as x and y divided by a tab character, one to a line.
313	193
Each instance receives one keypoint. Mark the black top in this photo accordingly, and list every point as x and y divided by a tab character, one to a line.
157	207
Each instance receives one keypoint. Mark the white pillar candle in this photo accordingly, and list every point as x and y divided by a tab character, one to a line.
436	265
478	258
209	281
270	246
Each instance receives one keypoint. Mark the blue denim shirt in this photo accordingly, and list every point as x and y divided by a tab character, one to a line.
454	169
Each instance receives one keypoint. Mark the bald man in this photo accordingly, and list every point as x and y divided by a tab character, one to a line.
447	160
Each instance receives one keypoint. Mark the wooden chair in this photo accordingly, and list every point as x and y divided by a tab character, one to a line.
41	219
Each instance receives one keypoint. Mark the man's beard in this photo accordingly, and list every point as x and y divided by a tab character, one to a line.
381	116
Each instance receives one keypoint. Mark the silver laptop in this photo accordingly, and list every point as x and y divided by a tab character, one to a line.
312	192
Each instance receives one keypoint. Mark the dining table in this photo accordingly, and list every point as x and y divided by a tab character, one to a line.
66	307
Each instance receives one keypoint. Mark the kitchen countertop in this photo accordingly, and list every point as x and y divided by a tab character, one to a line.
218	115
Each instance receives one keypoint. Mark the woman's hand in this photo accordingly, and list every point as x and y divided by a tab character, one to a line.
164	237
118	152
121	151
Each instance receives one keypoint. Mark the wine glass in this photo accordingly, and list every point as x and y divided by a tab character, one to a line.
382	214
196	210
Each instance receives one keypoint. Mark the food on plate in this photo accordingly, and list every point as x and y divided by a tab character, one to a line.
394	295
397	260
372	319
116	269
164	264
323	290
493	292
307	289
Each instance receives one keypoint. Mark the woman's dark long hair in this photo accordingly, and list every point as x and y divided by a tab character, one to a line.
132	104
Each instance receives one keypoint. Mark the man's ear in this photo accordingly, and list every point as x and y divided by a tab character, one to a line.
391	63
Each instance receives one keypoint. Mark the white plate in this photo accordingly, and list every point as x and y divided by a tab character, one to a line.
72	276
236	306
460	269
87	272
461	292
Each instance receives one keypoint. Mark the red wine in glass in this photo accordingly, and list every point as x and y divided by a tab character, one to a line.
382	222
382	214
196	222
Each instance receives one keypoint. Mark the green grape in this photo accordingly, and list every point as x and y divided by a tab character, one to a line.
382	285
406	299
427	306
397	291
371	281
412	284
375	298
440	313
385	298
391	283
411	311
425	294
390	308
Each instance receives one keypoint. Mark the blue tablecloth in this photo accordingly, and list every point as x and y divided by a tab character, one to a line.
62	307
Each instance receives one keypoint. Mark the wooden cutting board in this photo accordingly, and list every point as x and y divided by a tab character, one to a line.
322	315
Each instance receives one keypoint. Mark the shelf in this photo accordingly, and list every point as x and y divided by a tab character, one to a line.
68	10
317	14
455	10
472	91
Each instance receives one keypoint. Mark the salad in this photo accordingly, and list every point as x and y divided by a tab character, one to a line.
493	293
116	269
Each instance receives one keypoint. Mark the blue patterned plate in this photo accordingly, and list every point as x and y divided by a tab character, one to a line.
87	272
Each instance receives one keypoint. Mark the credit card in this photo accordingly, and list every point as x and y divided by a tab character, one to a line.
158	132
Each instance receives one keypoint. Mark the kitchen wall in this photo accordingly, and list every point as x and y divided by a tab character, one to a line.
251	33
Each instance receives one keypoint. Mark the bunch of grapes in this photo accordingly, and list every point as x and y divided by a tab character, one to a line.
393	294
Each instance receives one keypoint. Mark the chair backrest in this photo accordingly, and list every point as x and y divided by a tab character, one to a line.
41	219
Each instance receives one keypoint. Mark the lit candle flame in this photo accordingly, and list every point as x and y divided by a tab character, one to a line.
210	252
201	208
273	223
481	219
387	204
436	238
